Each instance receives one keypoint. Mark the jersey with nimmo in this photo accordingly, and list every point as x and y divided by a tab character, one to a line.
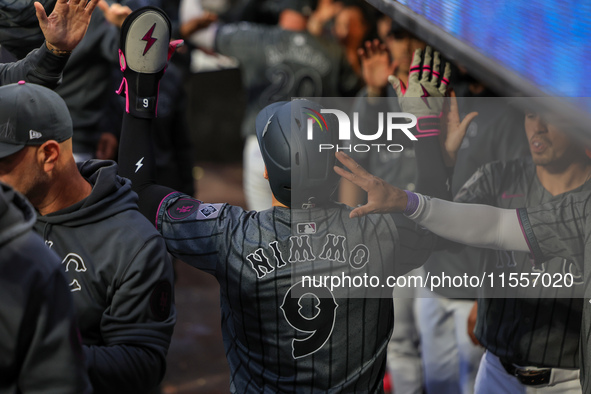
283	332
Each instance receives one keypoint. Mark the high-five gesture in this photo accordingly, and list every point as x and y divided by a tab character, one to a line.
376	67
67	24
424	95
381	196
453	130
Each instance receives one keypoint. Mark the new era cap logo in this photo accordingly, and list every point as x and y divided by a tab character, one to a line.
34	134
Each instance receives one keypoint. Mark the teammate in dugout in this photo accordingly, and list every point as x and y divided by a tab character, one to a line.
277	338
558	228
116	264
530	341
63	30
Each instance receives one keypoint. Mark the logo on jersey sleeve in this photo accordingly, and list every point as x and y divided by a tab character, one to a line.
183	208
209	211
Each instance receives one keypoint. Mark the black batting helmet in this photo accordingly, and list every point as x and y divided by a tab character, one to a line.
300	173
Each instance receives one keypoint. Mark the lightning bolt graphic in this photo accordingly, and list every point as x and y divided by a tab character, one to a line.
149	39
139	164
424	96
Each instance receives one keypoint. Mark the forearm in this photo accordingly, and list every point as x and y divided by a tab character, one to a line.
137	163
40	66
124	368
471	224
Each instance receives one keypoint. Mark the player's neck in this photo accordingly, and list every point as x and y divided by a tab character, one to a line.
276	203
292	20
67	189
571	176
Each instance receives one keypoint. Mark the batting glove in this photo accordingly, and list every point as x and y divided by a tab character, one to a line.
426	89
145	50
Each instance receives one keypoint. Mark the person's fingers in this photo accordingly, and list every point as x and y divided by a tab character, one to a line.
452	112
351	164
361	53
415	67
369	48
427	58
41	15
445	79
436	66
90	6
377	48
354	179
360	211
398	85
467	120
104	6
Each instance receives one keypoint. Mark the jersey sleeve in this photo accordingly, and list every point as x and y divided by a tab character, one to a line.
239	40
137	326
558	229
198	233
40	66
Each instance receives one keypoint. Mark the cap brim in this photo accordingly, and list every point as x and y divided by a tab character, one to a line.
8	149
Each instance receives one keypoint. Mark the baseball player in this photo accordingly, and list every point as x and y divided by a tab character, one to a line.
280	334
63	29
40	346
116	264
554	229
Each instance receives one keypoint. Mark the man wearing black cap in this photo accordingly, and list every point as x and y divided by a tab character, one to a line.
63	29
115	262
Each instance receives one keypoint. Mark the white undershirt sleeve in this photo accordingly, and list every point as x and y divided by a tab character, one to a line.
471	224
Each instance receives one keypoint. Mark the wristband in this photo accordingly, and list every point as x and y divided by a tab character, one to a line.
58	52
412	203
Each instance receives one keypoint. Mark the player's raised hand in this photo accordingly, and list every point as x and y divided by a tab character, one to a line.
376	67
427	85
115	13
67	24
428	80
381	196
453	130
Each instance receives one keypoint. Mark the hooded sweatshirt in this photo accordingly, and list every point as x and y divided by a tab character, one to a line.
121	279
39	346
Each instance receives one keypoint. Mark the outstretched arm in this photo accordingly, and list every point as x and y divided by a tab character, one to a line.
67	24
143	66
470	224
63	30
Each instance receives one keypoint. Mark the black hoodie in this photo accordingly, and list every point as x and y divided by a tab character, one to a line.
40	351
121	278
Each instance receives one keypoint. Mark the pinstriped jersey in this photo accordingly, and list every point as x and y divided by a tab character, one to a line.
280	333
524	329
562	229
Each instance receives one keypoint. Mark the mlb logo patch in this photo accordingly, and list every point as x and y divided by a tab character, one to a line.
307	228
208	210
